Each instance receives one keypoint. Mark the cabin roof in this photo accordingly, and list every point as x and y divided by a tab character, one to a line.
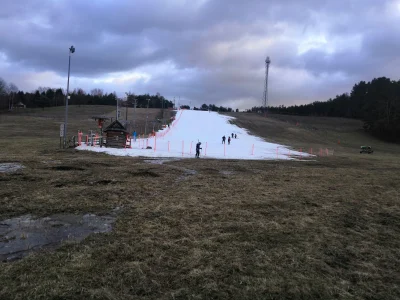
115	126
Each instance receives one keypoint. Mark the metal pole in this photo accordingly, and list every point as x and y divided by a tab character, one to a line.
126	112
147	116
134	114
66	102
116	117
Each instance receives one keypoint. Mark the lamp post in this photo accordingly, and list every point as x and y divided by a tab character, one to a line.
71	51
147	116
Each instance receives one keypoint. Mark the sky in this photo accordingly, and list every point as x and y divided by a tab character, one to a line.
201	51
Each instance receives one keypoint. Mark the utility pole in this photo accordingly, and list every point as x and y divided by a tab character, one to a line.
126	110
147	116
134	112
116	117
71	51
265	100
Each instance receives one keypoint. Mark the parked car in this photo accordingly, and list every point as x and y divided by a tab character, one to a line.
366	149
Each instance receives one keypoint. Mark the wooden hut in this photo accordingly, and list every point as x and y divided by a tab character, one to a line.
116	135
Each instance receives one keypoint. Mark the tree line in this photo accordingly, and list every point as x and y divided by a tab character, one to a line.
11	97
376	103
211	107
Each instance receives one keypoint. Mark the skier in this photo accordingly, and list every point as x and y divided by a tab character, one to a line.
223	139
235	136
229	140
198	149
134	135
232	135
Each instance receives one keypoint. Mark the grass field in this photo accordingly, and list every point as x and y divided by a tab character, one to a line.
209	229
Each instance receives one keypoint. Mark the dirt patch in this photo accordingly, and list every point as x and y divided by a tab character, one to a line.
68	168
186	174
159	161
144	173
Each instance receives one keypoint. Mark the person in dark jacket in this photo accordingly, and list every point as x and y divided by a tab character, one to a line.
232	135
198	149
235	136
229	140
223	139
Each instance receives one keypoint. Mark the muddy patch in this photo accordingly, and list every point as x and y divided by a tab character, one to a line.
159	161
227	173
10	167
21	236
144	173
68	168
186	174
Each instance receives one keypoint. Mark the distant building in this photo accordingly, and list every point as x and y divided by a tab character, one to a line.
20	105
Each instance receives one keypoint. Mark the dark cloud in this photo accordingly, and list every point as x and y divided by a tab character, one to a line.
209	51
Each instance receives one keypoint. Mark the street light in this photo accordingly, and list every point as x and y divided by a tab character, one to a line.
147	116
71	51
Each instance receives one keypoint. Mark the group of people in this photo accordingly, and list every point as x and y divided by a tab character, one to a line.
229	138
198	145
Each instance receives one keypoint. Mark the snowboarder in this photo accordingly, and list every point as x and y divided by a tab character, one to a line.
223	139
198	149
235	136
229	140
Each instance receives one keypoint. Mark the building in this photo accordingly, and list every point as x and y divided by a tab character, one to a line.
116	135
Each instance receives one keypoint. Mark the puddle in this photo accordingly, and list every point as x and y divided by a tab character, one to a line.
10	167
22	235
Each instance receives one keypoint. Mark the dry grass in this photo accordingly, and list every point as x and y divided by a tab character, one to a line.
323	229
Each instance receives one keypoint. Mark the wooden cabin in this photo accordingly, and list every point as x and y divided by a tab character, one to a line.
116	135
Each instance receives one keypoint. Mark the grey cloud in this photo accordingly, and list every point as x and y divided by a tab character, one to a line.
113	36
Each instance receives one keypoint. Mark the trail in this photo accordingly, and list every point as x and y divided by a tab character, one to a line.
191	126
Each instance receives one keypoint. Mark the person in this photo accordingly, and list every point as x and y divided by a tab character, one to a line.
223	139
232	135
235	136
134	135
229	140
198	149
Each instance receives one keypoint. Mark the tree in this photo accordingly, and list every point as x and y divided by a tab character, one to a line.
204	107
3	87
12	91
97	92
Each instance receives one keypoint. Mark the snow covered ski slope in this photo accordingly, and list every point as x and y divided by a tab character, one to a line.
190	127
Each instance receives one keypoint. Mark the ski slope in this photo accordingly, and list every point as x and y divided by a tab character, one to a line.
191	126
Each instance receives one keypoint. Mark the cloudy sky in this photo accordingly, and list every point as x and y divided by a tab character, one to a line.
203	51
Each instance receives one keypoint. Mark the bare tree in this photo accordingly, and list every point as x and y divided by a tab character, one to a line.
97	92
42	89
12	90
3	87
3	93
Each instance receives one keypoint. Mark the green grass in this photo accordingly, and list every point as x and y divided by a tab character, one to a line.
323	229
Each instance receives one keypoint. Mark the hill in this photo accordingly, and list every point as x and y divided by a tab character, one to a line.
343	135
325	228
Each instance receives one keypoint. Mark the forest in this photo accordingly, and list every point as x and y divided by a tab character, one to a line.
376	103
11	97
